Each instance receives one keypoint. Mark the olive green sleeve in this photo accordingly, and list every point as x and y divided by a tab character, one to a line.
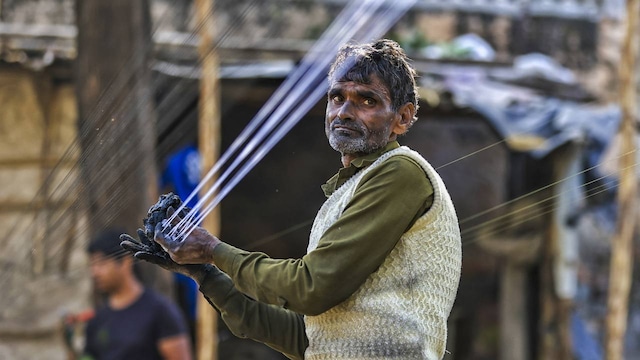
280	329
385	204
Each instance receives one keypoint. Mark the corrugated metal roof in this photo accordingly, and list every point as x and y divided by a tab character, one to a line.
588	9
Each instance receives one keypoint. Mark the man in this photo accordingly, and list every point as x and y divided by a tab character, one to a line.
135	323
383	262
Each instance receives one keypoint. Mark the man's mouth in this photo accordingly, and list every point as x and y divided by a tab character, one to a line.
344	129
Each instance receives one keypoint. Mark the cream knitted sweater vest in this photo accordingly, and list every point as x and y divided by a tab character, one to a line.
401	310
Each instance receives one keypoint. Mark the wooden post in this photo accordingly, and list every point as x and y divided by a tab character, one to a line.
116	120
513	312
565	242
115	103
559	267
621	247
209	147
547	339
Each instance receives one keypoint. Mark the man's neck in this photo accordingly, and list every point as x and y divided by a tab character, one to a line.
348	158
126	295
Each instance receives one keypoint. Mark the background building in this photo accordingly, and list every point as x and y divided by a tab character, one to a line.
515	301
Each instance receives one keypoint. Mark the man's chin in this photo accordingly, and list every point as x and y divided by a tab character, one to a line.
345	145
103	289
355	148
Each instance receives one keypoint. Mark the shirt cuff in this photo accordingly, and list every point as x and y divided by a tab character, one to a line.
216	286
224	256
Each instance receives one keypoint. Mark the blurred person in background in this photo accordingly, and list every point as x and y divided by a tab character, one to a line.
134	322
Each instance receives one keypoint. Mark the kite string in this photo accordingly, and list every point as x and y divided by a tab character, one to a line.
366	27
320	88
238	180
112	129
338	32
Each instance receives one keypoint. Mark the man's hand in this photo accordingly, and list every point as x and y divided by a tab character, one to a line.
197	248
142	250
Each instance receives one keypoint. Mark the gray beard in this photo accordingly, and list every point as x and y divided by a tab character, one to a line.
348	145
366	143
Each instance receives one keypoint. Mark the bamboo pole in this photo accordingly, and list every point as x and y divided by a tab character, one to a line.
209	147
621	252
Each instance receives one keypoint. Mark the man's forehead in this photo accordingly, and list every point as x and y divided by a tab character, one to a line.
100	257
374	84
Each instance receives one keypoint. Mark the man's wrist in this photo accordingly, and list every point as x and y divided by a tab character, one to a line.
199	272
209	252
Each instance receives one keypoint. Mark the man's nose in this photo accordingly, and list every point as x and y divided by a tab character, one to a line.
345	112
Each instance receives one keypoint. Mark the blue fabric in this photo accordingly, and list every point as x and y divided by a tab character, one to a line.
182	174
585	347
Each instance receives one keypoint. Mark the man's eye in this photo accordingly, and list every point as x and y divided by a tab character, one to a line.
369	101
336	98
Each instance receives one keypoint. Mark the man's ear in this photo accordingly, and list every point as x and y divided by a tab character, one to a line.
405	113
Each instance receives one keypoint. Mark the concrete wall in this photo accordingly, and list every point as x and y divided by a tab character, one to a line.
43	263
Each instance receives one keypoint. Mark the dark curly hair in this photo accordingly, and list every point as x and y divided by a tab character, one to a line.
383	58
107	242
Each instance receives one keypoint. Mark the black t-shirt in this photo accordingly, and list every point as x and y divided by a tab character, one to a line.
133	332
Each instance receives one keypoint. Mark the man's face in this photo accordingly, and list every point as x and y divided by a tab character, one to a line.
106	272
359	117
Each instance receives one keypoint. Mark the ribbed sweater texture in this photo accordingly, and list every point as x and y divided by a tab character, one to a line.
401	310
